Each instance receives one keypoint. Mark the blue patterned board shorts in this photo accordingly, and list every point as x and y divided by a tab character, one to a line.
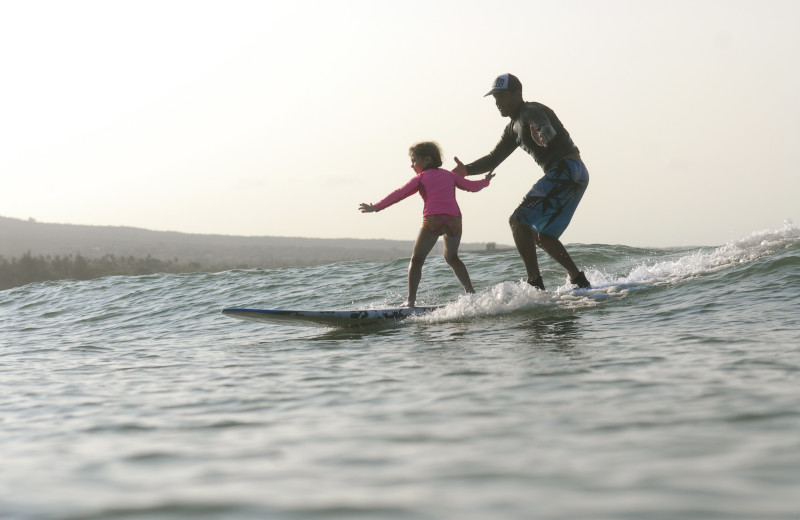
549	205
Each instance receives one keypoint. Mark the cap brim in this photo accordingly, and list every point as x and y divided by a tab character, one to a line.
494	91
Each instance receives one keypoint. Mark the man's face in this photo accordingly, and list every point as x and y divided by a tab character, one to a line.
507	102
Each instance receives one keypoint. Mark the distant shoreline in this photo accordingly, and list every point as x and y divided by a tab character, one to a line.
33	251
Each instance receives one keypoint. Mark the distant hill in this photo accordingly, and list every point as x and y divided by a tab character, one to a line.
210	252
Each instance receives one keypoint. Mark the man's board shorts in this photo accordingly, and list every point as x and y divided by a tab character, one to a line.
442	225
549	205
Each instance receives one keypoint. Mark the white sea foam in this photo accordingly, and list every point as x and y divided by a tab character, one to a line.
679	267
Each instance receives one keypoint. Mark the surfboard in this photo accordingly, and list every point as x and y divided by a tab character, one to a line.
335	318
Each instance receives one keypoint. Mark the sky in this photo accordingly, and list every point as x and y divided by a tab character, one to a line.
277	118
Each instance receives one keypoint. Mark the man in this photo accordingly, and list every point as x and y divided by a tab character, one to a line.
548	207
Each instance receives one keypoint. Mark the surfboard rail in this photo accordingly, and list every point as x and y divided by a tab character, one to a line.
334	318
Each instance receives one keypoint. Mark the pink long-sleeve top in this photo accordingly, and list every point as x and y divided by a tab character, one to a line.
438	190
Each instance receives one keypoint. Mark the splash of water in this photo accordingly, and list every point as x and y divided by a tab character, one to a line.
679	267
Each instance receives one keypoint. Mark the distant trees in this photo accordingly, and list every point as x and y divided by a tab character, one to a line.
29	269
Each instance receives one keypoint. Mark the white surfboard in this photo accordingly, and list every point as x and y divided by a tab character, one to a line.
336	318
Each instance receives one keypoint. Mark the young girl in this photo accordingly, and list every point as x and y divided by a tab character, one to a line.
440	216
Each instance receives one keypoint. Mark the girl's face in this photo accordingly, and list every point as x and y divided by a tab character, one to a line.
420	164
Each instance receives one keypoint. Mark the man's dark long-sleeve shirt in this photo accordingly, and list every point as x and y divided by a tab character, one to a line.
518	134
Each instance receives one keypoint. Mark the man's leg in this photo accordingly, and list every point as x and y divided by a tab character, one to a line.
556	249
525	240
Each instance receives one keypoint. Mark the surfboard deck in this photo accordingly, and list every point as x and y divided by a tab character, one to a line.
334	318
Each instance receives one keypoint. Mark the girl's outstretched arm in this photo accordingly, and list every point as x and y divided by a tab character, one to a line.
468	185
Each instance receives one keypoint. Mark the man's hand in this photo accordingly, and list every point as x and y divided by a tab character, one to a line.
538	137
460	168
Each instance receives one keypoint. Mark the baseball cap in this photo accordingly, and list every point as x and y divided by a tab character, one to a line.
504	82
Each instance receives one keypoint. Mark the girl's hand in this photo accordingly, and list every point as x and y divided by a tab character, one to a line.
490	175
367	208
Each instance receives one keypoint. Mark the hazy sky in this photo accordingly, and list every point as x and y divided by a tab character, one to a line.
280	117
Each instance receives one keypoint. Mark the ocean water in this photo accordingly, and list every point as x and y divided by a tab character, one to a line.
670	392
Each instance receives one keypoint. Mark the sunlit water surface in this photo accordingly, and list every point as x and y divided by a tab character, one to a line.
670	392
